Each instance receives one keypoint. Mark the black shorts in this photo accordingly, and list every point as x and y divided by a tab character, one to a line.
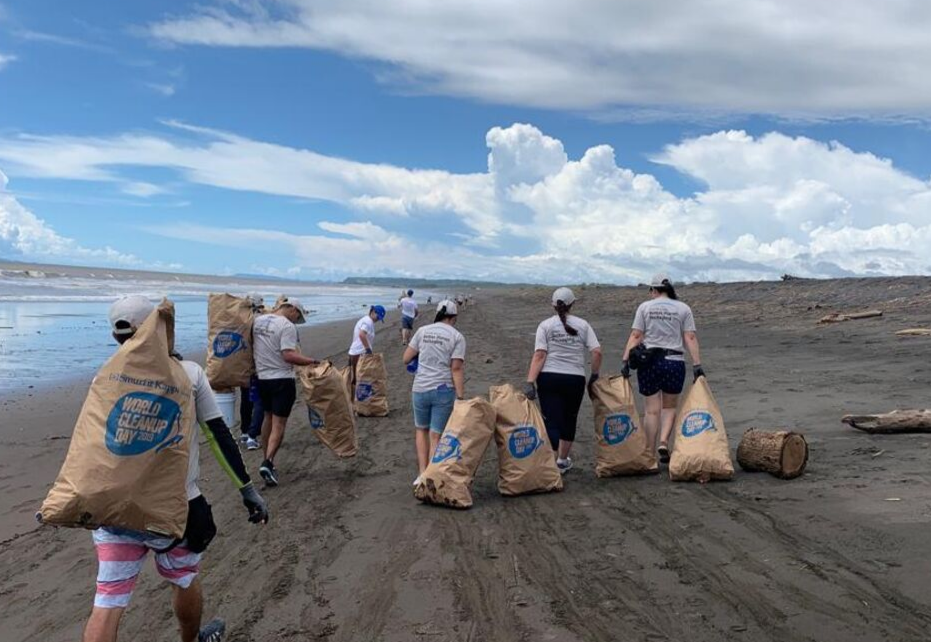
661	375
278	396
200	529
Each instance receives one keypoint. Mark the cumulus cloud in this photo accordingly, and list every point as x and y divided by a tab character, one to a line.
795	57
768	205
6	59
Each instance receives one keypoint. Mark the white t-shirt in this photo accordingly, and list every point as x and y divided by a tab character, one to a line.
272	333
437	344
365	324
565	354
662	322
408	307
205	409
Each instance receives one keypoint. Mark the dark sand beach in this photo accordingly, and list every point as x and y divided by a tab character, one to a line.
838	555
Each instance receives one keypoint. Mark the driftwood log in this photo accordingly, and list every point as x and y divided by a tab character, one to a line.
780	453
895	422
851	316
914	332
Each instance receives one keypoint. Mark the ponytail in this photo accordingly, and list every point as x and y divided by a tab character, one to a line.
667	289
562	310
441	315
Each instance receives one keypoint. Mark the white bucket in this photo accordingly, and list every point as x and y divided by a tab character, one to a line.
227	403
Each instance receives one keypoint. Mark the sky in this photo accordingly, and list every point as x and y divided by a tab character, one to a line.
522	141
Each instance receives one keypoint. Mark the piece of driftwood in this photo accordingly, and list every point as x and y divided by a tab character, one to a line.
781	453
914	332
850	316
897	421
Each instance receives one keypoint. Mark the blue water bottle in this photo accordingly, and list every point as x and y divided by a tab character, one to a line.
412	366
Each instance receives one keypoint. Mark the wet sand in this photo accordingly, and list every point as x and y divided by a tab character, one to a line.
350	555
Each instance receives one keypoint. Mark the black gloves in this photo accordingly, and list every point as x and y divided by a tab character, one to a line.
697	371
625	369
591	382
530	390
258	511
368	351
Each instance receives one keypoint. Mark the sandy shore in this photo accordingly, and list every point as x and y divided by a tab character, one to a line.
350	555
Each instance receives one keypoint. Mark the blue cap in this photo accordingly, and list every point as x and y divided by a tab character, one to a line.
410	293
379	310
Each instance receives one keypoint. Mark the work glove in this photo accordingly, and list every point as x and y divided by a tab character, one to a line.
530	390
697	371
625	369
258	510
591	382
368	351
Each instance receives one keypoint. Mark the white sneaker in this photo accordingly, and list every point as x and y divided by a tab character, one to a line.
243	438
418	480
564	465
252	444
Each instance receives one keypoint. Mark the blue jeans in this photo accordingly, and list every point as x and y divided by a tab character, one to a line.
433	408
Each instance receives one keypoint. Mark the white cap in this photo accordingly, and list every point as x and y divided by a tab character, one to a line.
565	295
658	279
130	312
255	299
297	305
450	306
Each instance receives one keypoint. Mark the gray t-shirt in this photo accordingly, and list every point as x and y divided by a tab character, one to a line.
565	354
662	322
272	333
437	344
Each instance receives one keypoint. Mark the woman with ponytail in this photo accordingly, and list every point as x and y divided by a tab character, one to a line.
557	373
666	327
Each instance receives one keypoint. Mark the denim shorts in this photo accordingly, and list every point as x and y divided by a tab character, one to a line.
433	408
407	322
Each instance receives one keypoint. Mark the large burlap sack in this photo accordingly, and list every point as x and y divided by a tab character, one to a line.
127	463
371	386
229	341
329	408
621	444
526	463
448	478
700	451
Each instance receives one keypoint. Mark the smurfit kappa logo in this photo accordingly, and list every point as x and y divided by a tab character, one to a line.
697	422
364	391
448	448
141	421
228	343
617	428
523	441
316	419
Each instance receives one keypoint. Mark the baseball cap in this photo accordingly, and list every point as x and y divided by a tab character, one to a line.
129	312
255	299
297	305
410	293
565	295
450	306
657	281
379	311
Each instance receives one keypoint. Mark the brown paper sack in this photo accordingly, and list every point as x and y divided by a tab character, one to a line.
329	408
700	451
128	459
345	374
448	478
525	460
229	341
621	445
371	386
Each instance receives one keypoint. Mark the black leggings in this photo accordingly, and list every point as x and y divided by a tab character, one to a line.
560	399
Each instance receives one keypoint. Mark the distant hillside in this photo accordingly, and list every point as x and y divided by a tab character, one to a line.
428	284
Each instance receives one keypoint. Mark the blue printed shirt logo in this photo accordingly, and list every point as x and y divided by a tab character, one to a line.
228	343
448	448
695	423
316	420
364	391
523	441
141	421
617	428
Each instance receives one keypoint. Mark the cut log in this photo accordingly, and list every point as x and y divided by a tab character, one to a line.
895	422
781	453
851	316
914	332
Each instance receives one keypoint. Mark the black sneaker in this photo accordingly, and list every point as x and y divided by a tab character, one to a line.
663	454
213	632
267	471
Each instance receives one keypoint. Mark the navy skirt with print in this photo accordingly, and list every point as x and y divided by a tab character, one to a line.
661	375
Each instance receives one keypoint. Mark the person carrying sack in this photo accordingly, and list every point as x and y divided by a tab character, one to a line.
121	552
363	337
663	328
440	379
557	373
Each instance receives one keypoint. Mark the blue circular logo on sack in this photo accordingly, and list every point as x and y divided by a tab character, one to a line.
227	343
695	423
448	448
617	428
523	441
316	420
364	391
139	422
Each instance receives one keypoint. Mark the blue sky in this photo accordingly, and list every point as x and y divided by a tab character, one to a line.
517	141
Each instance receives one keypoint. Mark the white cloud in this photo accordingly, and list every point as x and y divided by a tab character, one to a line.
796	57
142	189
769	205
163	89
6	59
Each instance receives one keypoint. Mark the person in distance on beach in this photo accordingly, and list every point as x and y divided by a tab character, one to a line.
557	373
363	337
409	312
121	553
250	407
439	381
276	351
665	326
